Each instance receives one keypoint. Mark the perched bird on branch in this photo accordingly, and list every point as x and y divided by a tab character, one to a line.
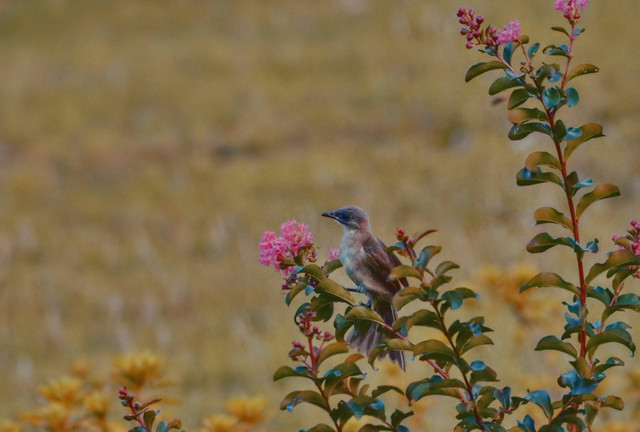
367	263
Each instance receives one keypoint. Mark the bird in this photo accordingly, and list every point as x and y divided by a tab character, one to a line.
367	263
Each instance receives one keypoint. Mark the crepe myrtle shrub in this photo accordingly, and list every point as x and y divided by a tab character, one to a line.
335	382
542	82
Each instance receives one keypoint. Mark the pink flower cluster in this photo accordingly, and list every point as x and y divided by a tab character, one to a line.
571	8
274	250
334	253
630	242
510	32
490	36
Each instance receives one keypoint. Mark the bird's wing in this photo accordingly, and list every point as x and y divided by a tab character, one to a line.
380	262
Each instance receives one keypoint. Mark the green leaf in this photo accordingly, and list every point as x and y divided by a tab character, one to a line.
613	402
550	215
485	375
554	50
517	98
600	192
476	341
556	344
404	271
561	30
321	427
297	397
480	68
520	115
314	271
551	97
331	350
589	131
524	177
294	292
444	267
522	131
286	372
335	290
536	159
614	335
620	257
407	295
434	349
549	280
533	49
544	241
542	399
421	318
504	83
149	417
363	313
559	131
582	69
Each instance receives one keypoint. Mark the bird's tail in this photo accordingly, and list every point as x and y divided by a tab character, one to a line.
367	341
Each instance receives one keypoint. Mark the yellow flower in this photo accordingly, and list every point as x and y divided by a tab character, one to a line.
64	390
80	369
354	424
248	410
616	427
10	426
219	423
97	402
54	417
138	369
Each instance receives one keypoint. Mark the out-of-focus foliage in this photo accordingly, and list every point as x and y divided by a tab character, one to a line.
144	146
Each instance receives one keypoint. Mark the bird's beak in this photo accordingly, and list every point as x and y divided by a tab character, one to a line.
330	215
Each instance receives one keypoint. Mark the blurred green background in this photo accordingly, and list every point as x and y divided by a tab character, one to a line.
146	145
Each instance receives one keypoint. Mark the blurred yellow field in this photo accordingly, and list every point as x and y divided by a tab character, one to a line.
146	145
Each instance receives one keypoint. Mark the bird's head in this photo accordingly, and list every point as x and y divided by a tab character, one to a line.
351	218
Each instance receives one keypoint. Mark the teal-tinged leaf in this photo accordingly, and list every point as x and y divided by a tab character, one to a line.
582	69
545	215
517	98
480	68
556	344
533	49
549	280
543	241
589	131
551	97
454	298
540	158
615	335
286	371
521	115
611	362
507	52
524	177
425	256
546	71
542	399
522	131
572	97
502	84
600	192
297	397
620	257
553	50
335	290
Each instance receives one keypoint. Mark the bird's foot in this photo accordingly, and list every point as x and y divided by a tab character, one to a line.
367	304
